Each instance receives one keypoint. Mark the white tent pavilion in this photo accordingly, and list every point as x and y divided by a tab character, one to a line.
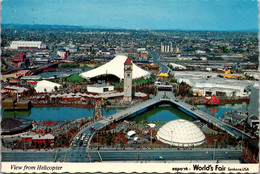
115	67
46	86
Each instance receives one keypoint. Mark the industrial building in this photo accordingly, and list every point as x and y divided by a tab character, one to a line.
207	84
27	45
253	110
177	66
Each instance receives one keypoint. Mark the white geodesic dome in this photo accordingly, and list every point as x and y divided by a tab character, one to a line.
181	133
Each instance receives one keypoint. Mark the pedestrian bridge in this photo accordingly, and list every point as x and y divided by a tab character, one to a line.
168	97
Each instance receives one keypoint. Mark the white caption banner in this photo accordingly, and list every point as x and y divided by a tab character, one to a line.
38	167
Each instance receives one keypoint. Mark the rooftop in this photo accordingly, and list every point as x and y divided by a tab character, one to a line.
128	62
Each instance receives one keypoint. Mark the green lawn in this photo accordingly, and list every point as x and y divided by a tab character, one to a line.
75	78
136	81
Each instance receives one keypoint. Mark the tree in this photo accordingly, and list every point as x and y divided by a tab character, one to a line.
226	50
232	141
95	139
190	93
122	144
47	144
85	66
210	125
33	144
25	93
31	91
56	88
93	51
36	144
109	138
102	140
174	80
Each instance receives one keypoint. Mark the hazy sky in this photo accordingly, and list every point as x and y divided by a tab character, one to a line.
136	14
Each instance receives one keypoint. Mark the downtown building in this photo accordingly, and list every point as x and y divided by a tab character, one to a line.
168	48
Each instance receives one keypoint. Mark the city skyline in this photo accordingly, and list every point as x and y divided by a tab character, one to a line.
216	15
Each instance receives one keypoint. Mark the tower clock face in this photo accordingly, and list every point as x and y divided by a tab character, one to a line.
128	74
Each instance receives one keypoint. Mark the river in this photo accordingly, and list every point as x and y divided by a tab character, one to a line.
55	113
160	114
218	111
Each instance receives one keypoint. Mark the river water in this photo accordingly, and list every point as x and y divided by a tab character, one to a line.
218	111
160	114
55	113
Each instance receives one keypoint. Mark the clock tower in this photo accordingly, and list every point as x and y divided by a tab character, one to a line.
128	68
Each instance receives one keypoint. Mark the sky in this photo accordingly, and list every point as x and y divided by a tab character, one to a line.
213	15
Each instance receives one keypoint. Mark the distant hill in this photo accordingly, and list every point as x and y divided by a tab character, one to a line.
39	26
99	27
250	30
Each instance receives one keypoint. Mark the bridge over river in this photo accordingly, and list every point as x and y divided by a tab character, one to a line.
161	98
168	97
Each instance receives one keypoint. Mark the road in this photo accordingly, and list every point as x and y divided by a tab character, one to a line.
54	55
82	155
164	68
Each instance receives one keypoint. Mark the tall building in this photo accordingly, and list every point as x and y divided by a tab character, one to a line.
128	68
171	48
176	49
162	47
168	48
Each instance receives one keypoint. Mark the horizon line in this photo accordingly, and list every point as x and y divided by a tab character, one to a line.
118	28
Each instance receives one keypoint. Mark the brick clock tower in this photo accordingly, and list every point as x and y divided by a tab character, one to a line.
128	68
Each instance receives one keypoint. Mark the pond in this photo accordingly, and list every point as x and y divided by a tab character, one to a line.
162	114
63	72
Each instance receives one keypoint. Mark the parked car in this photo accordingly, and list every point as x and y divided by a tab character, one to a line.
75	144
159	158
